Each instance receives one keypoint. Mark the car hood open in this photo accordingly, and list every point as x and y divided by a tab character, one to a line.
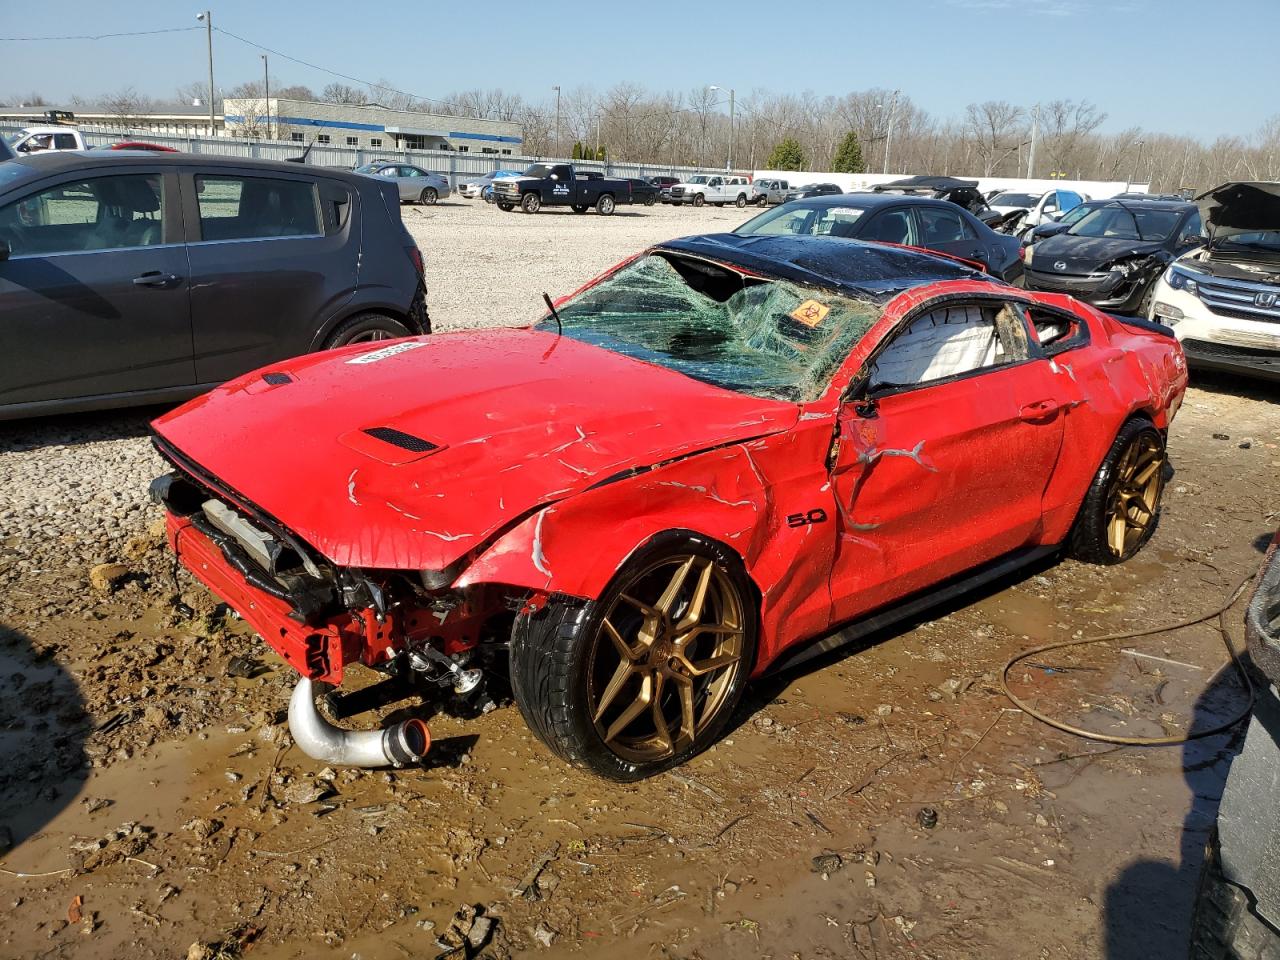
1241	207
411	454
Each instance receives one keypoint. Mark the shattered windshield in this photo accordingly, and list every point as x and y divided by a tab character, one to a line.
765	338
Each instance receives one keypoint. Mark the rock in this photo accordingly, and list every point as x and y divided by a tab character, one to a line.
544	935
884	710
105	577
198	951
827	863
479	932
307	790
202	828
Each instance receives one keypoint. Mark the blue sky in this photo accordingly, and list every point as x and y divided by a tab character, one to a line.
1176	66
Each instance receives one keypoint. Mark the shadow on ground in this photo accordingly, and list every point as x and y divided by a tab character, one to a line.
43	728
1148	906
72	429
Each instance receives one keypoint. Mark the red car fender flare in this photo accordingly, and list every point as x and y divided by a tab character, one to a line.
574	547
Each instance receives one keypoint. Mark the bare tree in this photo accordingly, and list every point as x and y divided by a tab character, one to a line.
1065	127
343	93
995	129
127	106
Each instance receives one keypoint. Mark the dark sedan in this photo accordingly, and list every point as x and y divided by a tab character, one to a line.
1112	257
814	190
642	191
895	218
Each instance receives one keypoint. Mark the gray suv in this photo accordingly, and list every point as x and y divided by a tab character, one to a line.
149	278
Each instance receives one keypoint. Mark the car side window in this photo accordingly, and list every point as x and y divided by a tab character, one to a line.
1057	332
255	208
102	213
1194	228
950	341
411	172
892	226
942	226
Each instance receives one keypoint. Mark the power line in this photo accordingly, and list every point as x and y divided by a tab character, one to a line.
100	36
315	66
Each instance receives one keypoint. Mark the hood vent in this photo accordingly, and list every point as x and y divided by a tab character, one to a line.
398	438
277	379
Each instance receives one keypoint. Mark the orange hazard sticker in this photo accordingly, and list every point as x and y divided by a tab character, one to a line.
810	313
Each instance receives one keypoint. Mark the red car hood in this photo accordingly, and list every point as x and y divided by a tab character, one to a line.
518	418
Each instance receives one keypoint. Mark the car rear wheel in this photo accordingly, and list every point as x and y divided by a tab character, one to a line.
531	203
741	201
699	199
428	196
605	205
649	674
366	328
651	201
1119	512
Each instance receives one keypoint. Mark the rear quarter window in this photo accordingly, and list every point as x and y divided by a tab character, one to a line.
256	208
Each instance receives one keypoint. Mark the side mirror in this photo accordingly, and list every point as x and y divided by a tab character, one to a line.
5	250
555	176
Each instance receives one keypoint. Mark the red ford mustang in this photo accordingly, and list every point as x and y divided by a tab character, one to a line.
721	456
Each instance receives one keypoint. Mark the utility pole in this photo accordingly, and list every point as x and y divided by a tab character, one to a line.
556	88
729	162
207	17
266	92
1035	134
597	136
888	134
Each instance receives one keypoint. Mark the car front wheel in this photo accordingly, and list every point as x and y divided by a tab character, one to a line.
699	199
1119	511
531	203
648	675
428	196
506	207
365	328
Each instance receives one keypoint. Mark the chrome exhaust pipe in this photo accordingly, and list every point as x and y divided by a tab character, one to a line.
399	744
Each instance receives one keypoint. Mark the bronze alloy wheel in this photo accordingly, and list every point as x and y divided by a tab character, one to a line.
1135	494
665	657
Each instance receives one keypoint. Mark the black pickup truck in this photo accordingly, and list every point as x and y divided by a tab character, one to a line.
559	184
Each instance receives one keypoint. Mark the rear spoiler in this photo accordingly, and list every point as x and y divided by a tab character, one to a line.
1150	326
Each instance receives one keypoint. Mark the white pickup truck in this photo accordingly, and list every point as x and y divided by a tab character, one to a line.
53	138
712	188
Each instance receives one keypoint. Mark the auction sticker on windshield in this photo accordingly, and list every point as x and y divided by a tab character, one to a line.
375	355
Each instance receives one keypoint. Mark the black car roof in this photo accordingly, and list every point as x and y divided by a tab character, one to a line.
871	271
867	201
936	183
69	161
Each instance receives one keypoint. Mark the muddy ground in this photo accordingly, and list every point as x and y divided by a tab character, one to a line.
154	806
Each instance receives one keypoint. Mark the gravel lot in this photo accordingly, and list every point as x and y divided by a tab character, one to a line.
73	488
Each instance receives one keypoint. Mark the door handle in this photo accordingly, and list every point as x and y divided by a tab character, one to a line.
154	278
1038	410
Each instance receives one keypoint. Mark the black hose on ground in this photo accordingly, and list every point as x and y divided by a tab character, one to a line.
1233	660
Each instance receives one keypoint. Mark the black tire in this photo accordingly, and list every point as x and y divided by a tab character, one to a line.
651	201
365	328
1148	298
699	199
720	203
580	208
1089	540
531	203
1224	925
606	205
428	196
505	206
741	201
553	652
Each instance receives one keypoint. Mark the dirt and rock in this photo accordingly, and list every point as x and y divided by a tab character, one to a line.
885	802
